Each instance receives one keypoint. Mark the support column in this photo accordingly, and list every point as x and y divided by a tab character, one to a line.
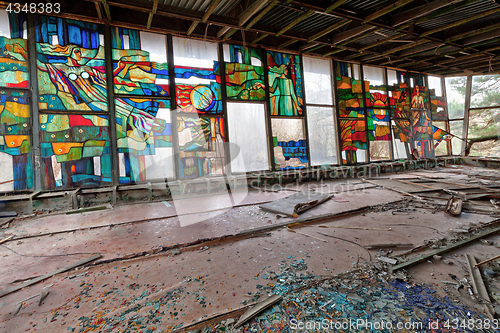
115	172
468	89
173	106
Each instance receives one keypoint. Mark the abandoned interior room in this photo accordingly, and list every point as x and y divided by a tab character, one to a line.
250	166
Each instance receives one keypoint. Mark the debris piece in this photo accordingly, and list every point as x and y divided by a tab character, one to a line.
89	209
297	203
18	308
489	273
397	212
478	284
386	246
43	296
6	239
446	249
301	207
454	206
46	276
257	309
495	203
6	221
166	203
298	232
447	262
486	241
339	200
176	252
487	261
265	248
388	260
355	228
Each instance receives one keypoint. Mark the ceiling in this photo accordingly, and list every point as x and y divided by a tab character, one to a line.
446	37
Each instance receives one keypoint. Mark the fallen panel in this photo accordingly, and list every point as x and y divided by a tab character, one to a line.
296	203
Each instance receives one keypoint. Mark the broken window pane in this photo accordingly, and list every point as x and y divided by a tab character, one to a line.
318	81
290	147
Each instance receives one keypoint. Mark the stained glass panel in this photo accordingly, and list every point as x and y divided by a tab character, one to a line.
285	84
354	141
290	146
244	81
201	145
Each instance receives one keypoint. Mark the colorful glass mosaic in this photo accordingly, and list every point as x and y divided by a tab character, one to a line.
285	84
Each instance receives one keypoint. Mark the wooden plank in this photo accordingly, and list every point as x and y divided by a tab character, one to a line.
257	309
487	261
478	284
448	248
296	203
46	276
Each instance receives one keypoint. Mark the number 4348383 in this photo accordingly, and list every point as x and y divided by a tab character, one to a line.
34	8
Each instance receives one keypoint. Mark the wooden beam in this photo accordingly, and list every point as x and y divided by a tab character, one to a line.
472	33
459	22
261	14
313	49
98	9
329	29
421	10
478	284
383	41
106	9
386	10
446	249
295	22
332	52
476	40
205	17
261	37
420	48
338	38
251	11
335	5
48	275
153	11
358	37
404	47
244	17
285	44
308	46
192	27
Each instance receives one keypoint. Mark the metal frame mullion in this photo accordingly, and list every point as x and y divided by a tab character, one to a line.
115	172
173	107
33	98
268	110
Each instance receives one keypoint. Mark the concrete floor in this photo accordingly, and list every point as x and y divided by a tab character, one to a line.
217	275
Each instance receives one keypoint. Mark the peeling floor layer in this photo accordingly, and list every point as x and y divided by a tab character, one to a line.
213	269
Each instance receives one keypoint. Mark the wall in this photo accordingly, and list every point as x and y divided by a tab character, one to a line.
119	106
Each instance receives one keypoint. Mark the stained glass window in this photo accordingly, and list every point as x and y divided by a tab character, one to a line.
285	84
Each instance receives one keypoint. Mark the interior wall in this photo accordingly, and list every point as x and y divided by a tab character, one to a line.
136	106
